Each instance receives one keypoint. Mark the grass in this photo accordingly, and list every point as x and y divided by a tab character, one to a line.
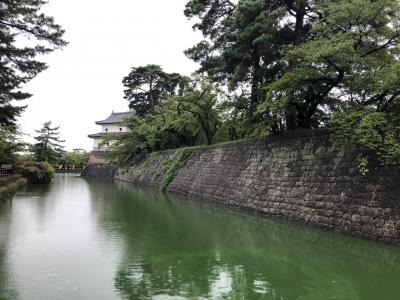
5	181
11	186
173	166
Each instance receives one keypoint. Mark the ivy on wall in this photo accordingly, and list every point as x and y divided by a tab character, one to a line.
173	166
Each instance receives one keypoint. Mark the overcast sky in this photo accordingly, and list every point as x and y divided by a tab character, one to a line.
106	38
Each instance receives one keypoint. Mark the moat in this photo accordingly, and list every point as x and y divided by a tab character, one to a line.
94	239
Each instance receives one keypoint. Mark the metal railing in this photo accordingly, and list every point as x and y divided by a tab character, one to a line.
5	172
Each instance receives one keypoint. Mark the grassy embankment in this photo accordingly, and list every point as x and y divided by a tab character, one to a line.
10	184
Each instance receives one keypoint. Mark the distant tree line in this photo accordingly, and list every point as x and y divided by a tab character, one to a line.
49	147
272	66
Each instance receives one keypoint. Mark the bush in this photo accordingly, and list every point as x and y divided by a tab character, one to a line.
14	186
7	179
375	134
36	172
11	185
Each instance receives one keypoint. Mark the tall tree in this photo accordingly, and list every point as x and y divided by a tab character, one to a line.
300	16
188	119
49	146
200	101
21	21
243	47
179	126
147	86
213	16
350	55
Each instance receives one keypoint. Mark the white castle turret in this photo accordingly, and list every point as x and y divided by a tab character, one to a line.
114	124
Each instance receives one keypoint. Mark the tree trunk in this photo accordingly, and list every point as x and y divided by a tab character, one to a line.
304	122
291	113
291	117
209	138
151	100
298	35
255	83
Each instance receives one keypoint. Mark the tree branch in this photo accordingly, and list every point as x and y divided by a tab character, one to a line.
381	47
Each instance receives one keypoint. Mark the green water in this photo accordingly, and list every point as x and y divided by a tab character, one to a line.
78	239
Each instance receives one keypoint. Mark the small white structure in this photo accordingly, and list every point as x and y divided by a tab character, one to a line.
112	125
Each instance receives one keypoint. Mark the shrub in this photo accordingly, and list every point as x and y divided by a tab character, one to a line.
7	179
375	134
9	185
13	186
36	172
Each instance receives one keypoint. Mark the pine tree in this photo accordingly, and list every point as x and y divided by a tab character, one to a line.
242	49
147	86
21	20
350	56
49	146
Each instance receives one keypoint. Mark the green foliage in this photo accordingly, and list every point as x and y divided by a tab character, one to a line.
144	136
350	55
14	186
74	160
37	173
179	121
376	135
200	102
9	185
49	146
304	57
147	86
242	51
213	15
172	167
5	181
46	167
10	144
25	157
25	33
274	66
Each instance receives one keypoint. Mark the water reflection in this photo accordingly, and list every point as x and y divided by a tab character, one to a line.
183	248
95	239
6	290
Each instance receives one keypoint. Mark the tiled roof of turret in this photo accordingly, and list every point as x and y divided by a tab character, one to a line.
97	135
103	134
115	118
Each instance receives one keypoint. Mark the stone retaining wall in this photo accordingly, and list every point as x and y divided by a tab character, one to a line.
99	171
146	170
98	166
303	178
